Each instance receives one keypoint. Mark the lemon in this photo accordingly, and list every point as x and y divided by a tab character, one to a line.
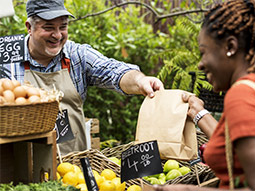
81	179
71	178
76	168
82	187
99	180
134	188
107	185
58	176
108	174
119	186
95	172
64	167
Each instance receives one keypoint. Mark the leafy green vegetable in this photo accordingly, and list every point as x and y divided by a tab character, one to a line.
44	186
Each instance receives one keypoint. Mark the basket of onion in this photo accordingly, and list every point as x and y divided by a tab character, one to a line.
25	109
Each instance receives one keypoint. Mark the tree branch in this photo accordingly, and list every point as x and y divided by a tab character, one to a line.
154	12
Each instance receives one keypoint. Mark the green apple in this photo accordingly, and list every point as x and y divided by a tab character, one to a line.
172	174
115	159
162	176
154	180
154	175
184	170
170	165
162	181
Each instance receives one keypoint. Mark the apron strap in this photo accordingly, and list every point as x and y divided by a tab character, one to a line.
26	65
65	63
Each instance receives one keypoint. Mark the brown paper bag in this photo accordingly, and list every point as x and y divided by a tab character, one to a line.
164	118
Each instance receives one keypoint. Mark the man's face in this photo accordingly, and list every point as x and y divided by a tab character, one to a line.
47	38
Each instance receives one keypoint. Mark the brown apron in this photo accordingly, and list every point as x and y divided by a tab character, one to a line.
71	101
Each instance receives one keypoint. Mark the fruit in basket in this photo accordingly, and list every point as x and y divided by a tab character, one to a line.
119	186
81	179
115	159
58	176
184	170
99	179
154	180
95	172
107	185
134	188
64	167
162	178
71	178
108	174
76	168
170	165
172	174
82	187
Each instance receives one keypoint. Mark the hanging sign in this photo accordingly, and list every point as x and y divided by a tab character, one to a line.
63	128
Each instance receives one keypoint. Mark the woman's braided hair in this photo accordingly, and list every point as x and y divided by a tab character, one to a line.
234	17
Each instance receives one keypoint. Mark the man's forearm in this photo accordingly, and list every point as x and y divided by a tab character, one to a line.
129	82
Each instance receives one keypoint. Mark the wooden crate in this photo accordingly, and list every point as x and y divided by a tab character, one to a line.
27	158
95	129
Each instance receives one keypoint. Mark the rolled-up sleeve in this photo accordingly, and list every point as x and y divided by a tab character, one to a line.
105	72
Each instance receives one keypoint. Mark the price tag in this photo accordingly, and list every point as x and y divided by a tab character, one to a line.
12	48
88	174
63	128
140	160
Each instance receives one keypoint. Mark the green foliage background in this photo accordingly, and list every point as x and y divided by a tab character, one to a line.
123	35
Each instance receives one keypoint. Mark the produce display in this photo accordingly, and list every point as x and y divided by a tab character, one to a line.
13	93
171	170
107	180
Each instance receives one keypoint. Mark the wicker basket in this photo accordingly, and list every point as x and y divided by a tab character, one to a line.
202	171
18	120
98	162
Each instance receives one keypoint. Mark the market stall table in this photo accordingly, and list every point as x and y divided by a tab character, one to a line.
27	158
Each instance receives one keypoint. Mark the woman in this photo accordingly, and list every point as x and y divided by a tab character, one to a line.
227	46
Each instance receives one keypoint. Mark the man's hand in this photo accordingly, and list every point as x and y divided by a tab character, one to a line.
148	85
135	82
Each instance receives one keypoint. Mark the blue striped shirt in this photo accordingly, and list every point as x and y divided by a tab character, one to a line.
88	67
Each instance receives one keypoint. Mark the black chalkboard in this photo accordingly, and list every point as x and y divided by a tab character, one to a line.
12	48
88	175
140	160
63	128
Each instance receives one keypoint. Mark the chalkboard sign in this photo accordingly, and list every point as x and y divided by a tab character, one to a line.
88	174
63	128
12	48
140	160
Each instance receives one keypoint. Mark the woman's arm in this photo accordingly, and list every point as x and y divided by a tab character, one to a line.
245	149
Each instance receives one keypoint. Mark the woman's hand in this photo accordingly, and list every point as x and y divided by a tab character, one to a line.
195	104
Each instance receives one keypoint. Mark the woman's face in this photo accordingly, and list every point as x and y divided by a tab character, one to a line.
214	62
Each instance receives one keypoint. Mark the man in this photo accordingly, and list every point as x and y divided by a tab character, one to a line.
52	60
